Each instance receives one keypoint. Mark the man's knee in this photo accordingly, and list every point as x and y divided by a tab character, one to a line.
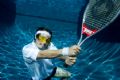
62	73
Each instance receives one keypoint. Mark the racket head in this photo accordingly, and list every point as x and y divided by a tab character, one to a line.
98	15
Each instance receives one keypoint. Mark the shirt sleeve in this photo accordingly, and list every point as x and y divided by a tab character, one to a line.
30	53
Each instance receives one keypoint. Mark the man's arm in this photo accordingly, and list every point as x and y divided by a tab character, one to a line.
49	54
62	57
72	51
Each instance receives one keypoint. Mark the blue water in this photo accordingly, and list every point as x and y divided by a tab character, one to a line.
100	55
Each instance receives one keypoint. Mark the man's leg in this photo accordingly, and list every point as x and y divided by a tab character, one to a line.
61	73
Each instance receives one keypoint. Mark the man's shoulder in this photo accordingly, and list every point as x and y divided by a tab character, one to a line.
52	46
29	45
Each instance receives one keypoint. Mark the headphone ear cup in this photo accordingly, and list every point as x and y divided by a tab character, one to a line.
36	36
48	40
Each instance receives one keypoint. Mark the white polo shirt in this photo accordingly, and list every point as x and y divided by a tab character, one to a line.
39	69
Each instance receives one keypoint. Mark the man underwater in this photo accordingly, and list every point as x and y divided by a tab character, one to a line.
38	54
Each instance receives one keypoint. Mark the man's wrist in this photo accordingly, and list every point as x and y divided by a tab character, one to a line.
65	51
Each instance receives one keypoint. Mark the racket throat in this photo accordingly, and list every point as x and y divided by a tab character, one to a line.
87	31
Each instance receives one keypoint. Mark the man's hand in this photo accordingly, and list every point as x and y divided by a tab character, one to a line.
70	61
74	50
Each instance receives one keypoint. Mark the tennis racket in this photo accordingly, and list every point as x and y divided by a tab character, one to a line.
97	16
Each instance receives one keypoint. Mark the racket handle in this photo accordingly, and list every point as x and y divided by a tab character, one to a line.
79	44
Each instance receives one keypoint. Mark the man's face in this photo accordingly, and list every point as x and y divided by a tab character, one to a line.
43	40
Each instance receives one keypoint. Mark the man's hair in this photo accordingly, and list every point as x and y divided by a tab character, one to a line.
43	29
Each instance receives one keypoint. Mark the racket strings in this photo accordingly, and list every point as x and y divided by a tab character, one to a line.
97	16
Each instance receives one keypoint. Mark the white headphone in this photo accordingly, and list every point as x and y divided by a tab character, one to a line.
44	33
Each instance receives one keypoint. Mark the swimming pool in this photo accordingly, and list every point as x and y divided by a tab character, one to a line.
98	60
